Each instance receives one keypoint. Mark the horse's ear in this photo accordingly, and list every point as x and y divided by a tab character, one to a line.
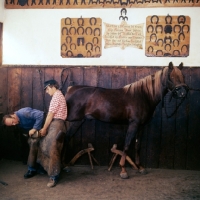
180	66
171	66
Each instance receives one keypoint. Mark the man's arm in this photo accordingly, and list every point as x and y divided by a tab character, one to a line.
48	120
38	116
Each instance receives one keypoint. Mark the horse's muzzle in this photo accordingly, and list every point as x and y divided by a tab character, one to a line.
180	92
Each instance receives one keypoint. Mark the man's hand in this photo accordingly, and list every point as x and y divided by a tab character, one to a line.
32	131
48	120
43	132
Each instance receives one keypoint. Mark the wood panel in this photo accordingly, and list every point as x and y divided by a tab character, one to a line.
180	146
4	90
14	89
154	134
26	87
193	140
37	90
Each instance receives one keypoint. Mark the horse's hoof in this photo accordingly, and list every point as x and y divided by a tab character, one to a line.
124	175
143	171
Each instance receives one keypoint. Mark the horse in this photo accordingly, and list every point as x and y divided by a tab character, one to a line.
133	104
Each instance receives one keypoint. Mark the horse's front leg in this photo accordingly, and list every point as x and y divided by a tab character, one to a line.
131	132
141	169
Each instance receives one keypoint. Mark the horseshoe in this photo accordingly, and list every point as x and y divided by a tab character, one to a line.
82	21
160	27
87	31
95	21
68	19
149	27
88	44
166	21
157	18
65	28
63	46
123	10
71	29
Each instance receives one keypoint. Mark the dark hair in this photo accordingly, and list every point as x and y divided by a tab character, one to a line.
5	117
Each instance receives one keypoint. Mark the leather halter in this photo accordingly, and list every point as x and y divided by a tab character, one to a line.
174	88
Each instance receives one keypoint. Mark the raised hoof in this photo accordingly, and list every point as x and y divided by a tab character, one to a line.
124	175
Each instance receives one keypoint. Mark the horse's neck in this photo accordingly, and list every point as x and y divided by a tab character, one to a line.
159	85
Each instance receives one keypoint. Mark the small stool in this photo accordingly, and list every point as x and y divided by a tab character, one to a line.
80	153
117	152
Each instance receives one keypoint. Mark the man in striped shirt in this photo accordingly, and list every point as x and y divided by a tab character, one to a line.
53	132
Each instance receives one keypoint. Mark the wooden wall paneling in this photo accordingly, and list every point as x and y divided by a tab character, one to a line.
77	75
193	141
57	74
154	133
3	110
168	134
48	75
3	90
102	132
26	87
14	99
14	89
180	146
38	92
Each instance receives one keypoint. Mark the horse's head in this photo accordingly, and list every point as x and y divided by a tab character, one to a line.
176	83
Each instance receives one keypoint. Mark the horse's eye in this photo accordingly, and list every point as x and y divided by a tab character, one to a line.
176	88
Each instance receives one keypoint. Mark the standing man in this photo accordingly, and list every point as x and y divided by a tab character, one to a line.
53	133
30	120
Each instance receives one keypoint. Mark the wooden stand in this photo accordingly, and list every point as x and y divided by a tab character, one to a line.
80	153
116	153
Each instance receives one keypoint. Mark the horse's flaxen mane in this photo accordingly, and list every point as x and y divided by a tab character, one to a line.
151	85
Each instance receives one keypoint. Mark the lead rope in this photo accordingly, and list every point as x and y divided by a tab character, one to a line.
168	116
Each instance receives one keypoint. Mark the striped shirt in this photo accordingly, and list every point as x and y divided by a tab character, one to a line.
58	106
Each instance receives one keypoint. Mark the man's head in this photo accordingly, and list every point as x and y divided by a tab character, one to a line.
51	86
10	120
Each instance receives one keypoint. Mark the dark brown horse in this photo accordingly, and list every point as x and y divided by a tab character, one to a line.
134	104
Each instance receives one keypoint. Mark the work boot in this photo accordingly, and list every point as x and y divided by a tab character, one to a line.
30	174
52	182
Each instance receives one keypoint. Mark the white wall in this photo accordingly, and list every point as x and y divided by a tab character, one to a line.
32	36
